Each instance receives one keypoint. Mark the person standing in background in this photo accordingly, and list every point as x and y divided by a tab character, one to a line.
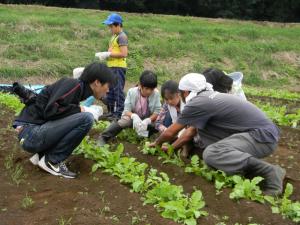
116	60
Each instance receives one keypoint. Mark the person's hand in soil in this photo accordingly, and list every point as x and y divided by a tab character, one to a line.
165	147
152	145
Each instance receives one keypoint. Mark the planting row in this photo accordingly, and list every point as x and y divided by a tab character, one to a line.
156	189
279	114
282	94
241	188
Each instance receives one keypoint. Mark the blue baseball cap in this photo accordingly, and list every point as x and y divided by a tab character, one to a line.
113	18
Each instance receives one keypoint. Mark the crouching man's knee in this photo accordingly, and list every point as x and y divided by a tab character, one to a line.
210	156
87	119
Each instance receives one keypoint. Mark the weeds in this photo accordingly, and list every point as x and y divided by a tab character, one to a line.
27	202
63	221
15	171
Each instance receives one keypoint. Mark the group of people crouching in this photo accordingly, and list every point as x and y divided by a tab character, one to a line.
232	133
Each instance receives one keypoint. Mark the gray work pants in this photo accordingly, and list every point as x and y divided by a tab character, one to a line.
231	154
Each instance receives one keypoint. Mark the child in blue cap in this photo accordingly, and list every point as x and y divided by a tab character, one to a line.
116	60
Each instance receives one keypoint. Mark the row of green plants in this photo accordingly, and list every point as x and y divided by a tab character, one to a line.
273	93
155	187
279	114
242	188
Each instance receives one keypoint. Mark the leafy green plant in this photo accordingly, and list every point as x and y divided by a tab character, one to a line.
280	115
248	189
130	136
101	125
284	205
11	101
185	210
147	150
274	93
169	156
199	168
162	192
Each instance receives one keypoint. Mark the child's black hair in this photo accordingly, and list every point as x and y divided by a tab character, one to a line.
148	79
169	86
219	80
117	24
97	71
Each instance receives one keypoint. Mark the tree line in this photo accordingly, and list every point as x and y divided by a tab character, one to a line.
271	10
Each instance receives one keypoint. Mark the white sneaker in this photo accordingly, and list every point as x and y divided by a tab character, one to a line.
45	166
35	159
59	169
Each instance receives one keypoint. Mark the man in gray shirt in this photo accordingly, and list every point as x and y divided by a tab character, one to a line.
235	133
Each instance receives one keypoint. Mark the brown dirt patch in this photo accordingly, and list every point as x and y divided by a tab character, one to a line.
228	64
175	67
291	58
268	75
46	80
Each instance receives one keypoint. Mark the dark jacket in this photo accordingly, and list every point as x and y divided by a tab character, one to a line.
56	101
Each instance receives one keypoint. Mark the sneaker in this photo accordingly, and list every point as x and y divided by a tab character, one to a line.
34	159
65	172
59	169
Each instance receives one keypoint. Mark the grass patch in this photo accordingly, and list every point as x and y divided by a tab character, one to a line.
61	39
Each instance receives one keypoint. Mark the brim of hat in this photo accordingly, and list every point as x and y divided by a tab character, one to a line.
107	22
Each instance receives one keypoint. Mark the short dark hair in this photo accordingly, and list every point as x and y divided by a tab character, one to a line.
171	86
219	80
97	71
117	24
148	79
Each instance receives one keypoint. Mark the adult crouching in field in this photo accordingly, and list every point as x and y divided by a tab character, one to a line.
235	133
54	124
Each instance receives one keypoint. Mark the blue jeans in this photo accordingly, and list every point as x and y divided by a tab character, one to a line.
116	97
58	138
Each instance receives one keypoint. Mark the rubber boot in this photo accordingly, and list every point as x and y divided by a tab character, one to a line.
273	175
109	133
